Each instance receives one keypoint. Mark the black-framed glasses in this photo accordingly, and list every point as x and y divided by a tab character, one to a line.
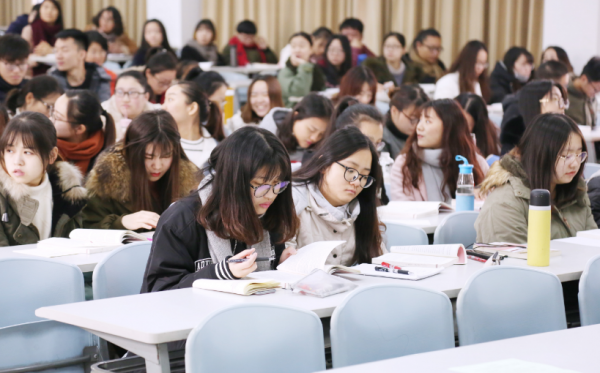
131	94
262	190
412	121
352	174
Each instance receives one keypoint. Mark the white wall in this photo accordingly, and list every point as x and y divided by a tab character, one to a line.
178	16
573	25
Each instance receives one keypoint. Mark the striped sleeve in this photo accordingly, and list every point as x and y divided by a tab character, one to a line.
223	272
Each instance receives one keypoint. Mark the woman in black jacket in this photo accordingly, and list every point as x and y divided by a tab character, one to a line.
243	209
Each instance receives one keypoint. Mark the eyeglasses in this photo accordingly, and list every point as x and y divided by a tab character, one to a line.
570	157
15	65
163	83
262	190
434	49
48	106
131	94
53	117
562	104
412	121
352	174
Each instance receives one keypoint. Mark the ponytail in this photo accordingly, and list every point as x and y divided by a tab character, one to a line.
110	130
40	86
208	112
214	125
84	108
14	100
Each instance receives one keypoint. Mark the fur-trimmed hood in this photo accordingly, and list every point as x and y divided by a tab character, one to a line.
110	178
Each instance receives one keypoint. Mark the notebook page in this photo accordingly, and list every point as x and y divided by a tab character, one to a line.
103	236
241	287
449	251
309	257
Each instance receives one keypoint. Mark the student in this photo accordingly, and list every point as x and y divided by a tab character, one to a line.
264	94
38	94
16	27
109	23
211	83
338	60
511	73
71	70
202	47
183	69
134	182
41	33
41	196
424	57
4	118
243	209
303	127
131	98
97	52
555	53
14	51
555	71
549	156
476	113
428	170
320	38
249	47
160	71
582	94
360	83
402	118
393	65
299	77
366	118
352	28
198	120
154	35
538	97
83	127
335	198
468	73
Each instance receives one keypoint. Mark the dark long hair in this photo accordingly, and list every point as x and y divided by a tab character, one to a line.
539	149
275	97
341	145
354	115
59	19
229	211
159	129
208	81
456	140
208	24
354	79
312	105
329	69
165	43
118	29
39	86
465	65
84	108
530	96
485	131
209	115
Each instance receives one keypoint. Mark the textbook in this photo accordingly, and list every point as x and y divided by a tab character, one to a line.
416	273
244	286
430	256
511	250
412	209
314	256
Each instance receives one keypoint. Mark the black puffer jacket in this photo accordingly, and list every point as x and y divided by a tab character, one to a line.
513	126
500	82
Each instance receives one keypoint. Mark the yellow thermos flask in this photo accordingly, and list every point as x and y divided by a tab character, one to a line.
538	231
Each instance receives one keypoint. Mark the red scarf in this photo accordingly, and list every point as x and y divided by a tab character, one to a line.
81	154
242	57
42	31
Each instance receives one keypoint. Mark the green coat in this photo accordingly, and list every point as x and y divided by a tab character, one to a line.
504	215
580	107
18	210
299	81
252	54
412	73
108	187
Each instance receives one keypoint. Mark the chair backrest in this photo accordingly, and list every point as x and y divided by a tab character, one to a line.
27	284
122	271
505	302
398	234
387	321
458	227
590	169
256	338
589	293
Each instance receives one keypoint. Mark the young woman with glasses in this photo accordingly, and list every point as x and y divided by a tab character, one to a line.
38	94
243	209
550	156
335	198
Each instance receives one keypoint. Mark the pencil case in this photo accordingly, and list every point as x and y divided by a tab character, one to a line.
321	284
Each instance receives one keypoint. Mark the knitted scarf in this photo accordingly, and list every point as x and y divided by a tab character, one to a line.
242	57
42	31
81	153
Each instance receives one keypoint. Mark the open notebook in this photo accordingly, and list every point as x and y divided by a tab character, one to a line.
245	286
430	256
518	251
314	256
412	209
416	273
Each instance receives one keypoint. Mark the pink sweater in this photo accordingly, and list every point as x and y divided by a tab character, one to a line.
419	194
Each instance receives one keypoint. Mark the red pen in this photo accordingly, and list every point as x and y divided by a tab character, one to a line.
472	257
388	265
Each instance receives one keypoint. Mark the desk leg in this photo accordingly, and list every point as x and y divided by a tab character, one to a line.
163	365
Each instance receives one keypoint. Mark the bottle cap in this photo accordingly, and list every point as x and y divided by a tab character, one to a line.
539	197
464	168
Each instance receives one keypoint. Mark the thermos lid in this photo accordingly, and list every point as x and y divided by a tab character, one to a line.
464	168
539	197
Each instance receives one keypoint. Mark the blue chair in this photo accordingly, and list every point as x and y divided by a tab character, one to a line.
387	321
27	341
256	338
590	169
122	271
589	293
397	234
458	227
491	159
506	302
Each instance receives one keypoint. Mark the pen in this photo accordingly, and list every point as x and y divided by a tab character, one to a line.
476	258
259	259
399	271
388	265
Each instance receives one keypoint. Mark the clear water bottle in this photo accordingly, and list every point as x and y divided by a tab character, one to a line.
465	195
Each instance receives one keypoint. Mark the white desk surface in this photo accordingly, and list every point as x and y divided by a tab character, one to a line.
575	350
50	59
428	224
170	315
85	262
252	68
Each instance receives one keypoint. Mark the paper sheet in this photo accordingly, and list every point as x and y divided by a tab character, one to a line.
418	273
309	257
583	241
510	366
